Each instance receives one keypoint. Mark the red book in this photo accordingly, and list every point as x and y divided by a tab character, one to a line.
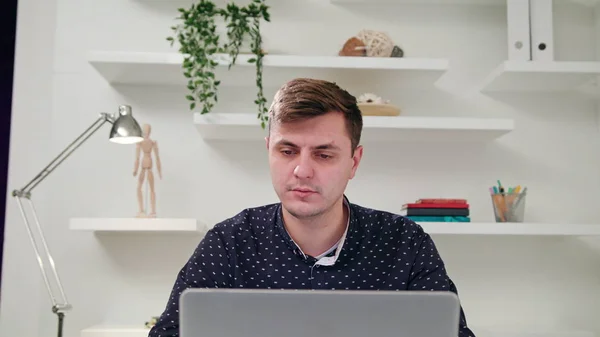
441	201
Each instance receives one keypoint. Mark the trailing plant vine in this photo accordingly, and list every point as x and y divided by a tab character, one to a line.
200	43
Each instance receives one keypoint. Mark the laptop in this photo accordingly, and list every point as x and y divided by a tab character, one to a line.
317	313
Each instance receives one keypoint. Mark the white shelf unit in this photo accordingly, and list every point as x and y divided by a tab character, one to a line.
539	76
522	229
246	126
165	69
115	331
141	225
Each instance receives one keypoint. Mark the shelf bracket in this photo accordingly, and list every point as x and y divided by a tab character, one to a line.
530	30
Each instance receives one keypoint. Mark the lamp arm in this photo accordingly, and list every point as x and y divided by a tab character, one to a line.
26	190
59	306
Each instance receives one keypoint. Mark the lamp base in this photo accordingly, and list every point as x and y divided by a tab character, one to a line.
61	319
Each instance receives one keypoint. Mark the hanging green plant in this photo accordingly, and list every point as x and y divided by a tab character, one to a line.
200	44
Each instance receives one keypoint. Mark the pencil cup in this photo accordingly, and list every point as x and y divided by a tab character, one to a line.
509	207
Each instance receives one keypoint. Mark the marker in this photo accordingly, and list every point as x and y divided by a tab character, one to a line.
519	198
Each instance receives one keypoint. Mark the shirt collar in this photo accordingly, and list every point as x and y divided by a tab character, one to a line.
325	259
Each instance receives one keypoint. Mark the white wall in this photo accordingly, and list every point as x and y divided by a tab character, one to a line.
22	294
523	284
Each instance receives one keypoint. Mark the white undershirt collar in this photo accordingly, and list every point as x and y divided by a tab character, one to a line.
322	259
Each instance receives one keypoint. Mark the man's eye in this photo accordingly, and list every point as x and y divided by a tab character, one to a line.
287	152
324	156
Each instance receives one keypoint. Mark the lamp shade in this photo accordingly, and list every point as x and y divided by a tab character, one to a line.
125	129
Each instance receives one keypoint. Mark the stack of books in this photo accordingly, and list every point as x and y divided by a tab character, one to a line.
437	210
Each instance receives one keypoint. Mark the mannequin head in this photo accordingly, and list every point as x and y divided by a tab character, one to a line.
146	128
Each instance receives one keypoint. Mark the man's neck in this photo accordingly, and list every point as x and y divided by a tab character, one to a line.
316	235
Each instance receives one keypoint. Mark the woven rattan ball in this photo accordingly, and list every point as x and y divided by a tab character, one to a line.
378	44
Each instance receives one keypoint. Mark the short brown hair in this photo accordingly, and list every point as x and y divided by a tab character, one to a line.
304	98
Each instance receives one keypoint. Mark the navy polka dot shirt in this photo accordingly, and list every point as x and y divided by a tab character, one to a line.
381	251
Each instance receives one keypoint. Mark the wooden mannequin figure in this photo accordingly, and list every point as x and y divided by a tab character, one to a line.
145	148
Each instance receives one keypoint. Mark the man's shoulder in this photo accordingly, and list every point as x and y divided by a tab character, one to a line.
377	222
249	220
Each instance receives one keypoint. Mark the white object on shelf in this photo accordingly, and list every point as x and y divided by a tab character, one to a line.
492	228
541	76
115	331
165	69
135	225
246	126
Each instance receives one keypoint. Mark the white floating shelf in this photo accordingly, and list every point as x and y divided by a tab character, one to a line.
115	331
541	76
165	69
246	126
149	225
589	3
531	229
424	2
112	331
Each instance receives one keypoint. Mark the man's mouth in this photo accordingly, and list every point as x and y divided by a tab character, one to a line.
304	190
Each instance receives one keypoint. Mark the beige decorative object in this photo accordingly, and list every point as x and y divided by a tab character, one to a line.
378	44
373	105
145	148
353	47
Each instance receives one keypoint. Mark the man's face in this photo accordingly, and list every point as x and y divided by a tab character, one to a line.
311	163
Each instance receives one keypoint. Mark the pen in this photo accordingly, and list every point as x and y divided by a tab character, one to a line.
518	202
500	206
520	197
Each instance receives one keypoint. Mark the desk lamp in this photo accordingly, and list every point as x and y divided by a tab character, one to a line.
125	130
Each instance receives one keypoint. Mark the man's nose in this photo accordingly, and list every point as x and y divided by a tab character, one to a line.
304	168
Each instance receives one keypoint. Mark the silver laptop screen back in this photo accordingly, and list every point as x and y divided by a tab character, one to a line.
318	313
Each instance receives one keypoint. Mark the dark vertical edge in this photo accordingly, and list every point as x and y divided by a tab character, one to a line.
8	22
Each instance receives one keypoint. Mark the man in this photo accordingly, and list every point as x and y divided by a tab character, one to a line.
315	238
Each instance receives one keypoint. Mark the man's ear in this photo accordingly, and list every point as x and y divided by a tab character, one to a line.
267	142
356	157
